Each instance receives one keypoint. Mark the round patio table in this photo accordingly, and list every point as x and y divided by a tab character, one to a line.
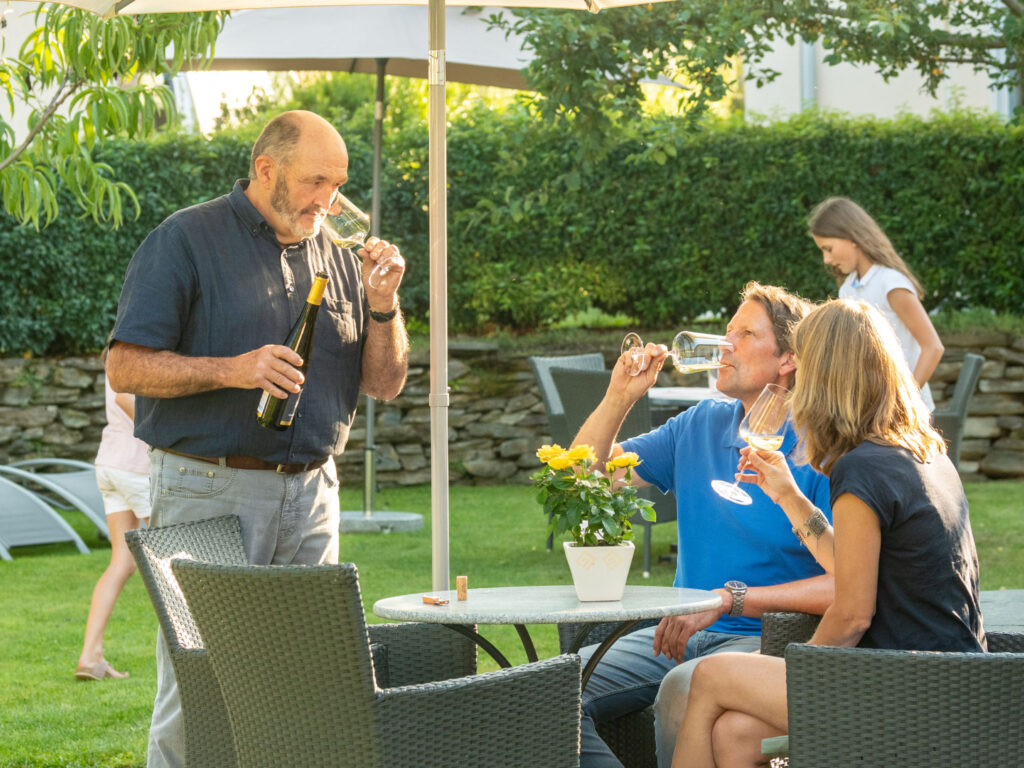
520	606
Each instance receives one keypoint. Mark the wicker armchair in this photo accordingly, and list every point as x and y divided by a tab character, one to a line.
208	741
290	648
403	654
858	706
896	707
630	737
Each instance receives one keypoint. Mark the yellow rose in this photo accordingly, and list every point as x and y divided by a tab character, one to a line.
548	452
623	460
560	462
581	453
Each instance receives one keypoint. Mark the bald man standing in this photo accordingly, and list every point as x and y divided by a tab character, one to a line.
208	298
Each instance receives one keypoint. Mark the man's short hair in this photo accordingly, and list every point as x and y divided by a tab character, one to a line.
784	309
278	140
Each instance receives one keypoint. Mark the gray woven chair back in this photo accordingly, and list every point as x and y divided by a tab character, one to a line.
542	367
217	540
950	420
780	629
289	646
856	706
208	741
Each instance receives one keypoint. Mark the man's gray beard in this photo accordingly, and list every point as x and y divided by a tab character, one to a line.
280	203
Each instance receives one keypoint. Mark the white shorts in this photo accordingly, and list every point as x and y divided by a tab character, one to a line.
122	490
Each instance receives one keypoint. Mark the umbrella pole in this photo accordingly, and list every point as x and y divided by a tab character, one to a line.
369	521
369	446
438	298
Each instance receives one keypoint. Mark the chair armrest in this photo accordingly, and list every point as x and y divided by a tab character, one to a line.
1005	642
467	720
776	746
782	628
423	653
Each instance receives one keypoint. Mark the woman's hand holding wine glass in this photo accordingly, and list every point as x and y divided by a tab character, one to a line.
763	427
773	474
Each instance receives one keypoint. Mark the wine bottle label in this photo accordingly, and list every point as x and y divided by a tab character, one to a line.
290	407
262	407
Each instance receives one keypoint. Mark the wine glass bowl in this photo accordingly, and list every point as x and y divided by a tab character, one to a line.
690	352
347	226
763	428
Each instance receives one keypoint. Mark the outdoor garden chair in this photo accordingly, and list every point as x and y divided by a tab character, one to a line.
890	707
581	391
560	432
950	420
289	645
557	426
65	483
208	742
406	654
25	519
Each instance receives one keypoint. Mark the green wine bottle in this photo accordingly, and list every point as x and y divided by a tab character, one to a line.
275	412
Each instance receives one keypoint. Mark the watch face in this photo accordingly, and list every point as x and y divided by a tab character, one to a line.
735	585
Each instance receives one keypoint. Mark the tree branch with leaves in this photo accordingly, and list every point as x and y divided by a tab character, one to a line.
83	79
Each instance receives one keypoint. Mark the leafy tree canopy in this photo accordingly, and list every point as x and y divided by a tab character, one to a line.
588	68
82	80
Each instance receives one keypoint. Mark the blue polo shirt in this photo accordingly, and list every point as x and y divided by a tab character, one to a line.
212	281
718	539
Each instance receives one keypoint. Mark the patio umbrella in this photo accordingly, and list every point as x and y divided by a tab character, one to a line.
306	39
438	206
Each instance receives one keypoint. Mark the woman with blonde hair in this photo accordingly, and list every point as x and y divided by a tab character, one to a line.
902	551
867	267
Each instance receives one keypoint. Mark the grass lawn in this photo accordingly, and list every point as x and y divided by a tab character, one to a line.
47	718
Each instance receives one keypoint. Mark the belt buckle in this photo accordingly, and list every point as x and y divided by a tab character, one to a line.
280	469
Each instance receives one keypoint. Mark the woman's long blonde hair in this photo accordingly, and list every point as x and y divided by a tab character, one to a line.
853	384
842	218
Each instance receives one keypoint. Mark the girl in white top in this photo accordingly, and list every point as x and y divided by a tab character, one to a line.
867	267
122	474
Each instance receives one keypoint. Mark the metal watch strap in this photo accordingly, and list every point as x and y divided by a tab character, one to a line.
738	590
384	317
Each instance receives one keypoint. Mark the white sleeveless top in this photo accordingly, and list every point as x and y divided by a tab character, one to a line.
119	448
874	288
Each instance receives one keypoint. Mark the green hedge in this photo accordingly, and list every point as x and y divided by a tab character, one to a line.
533	237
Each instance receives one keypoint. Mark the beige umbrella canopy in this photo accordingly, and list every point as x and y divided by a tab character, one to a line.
438	205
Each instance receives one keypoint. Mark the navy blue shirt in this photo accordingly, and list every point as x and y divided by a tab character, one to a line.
928	596
212	281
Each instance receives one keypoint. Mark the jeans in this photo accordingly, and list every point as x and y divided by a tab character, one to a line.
284	519
628	679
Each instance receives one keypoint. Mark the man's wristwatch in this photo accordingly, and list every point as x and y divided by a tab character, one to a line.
738	590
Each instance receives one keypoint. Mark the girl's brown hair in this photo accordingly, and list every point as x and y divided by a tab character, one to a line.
853	384
842	218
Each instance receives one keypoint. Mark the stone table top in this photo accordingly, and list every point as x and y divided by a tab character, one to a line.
1002	610
545	605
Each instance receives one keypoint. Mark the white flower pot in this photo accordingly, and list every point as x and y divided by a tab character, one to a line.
599	573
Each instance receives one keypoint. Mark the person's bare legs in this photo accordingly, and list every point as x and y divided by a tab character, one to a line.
107	590
746	683
736	740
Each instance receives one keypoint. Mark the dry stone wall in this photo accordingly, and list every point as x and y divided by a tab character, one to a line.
496	418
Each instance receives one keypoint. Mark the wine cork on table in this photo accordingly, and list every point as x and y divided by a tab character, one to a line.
461	587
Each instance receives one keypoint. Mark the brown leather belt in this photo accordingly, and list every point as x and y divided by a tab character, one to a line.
251	462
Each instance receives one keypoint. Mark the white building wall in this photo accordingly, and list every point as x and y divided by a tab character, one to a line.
859	90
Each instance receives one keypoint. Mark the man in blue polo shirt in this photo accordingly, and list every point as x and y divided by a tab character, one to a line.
747	554
208	298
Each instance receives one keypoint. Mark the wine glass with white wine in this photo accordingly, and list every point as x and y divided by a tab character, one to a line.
348	227
690	352
763	428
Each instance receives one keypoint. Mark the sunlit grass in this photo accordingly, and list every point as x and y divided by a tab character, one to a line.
497	538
